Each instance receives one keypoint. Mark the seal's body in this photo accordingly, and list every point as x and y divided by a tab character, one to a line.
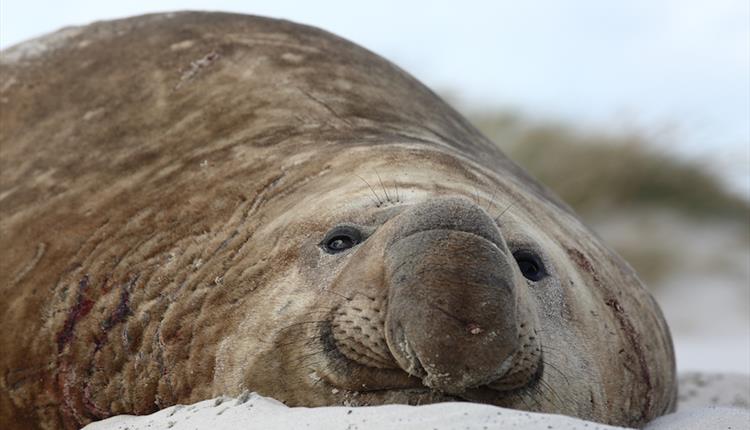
199	204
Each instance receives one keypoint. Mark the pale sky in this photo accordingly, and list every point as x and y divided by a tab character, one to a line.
677	65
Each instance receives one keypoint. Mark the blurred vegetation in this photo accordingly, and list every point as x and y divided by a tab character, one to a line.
598	173
654	208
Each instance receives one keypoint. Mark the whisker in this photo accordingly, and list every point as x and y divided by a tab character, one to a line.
300	359
548	364
297	324
336	294
387	198
551	348
497	218
320	311
377	200
338	368
492	202
538	393
360	293
321	378
549	388
303	341
523	399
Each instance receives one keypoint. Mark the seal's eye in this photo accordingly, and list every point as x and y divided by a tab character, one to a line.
340	239
530	264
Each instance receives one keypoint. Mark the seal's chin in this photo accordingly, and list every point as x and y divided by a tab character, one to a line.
365	385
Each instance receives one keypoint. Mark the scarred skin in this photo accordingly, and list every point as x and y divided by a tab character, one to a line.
169	185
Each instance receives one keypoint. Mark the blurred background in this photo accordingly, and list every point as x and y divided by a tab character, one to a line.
637	113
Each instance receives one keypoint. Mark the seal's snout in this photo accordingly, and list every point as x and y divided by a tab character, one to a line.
452	296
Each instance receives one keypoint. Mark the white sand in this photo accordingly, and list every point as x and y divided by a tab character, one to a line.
256	412
251	411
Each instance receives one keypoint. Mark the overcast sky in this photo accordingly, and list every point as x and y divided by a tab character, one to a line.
679	65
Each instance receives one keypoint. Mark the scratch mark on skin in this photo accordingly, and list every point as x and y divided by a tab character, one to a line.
40	250
196	67
326	106
81	308
66	381
121	312
118	315
583	262
632	336
89	403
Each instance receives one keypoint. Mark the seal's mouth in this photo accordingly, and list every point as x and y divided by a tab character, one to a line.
396	385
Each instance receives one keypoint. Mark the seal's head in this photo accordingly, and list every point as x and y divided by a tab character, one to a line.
251	204
432	278
435	292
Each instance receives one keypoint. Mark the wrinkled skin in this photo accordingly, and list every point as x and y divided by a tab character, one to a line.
200	204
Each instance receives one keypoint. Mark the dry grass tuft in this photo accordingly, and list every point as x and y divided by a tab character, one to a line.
599	173
642	199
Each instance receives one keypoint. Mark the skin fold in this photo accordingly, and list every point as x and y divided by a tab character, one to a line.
199	204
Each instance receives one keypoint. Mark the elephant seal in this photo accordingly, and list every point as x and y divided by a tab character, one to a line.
197	204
